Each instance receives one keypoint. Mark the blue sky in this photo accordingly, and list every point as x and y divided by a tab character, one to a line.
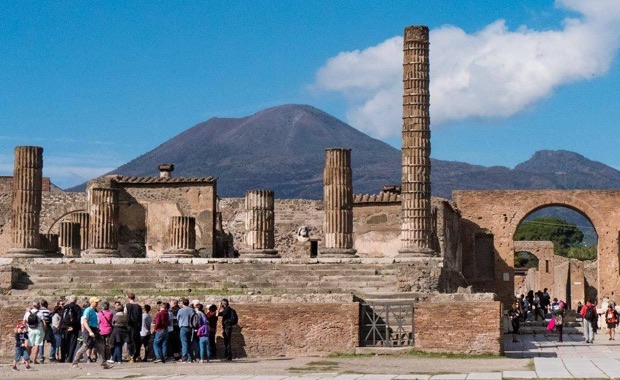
100	83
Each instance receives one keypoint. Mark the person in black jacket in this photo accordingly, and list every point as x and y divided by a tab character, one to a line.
134	324
70	328
229	319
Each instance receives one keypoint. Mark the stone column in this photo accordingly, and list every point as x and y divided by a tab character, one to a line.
338	204
69	239
416	232
83	219
27	185
49	244
259	225
181	237
103	226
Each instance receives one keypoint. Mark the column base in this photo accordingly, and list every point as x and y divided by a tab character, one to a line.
416	252
259	253
25	252
338	252
179	253
96	252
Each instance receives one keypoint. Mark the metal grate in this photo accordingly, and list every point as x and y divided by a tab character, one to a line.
386	323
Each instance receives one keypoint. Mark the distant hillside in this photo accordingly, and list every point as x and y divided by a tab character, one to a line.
282	148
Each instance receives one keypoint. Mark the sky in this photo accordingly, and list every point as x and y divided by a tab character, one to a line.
99	83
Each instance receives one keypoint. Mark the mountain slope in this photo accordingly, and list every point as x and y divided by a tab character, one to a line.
282	148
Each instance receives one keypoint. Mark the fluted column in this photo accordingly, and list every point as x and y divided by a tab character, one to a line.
83	219
259	224
27	186
416	232
181	237
338	204
69	239
103	223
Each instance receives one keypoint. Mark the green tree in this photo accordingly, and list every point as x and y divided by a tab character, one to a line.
566	237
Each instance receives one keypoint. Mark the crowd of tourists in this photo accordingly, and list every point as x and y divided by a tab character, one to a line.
181	330
539	304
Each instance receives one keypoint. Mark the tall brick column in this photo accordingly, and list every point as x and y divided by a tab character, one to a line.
416	232
103	227
338	204
69	239
259	224
27	186
83	219
181	237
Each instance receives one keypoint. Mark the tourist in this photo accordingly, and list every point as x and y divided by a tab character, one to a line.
120	335
203	335
174	332
70	326
229	320
589	315
554	305
56	333
145	332
105	327
184	317
558	315
198	320
91	337
212	320
35	324
611	318
537	307
545	300
160	343
579	306
46	318
514	315
134	323
21	346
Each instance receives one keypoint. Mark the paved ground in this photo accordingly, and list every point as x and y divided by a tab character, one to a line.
532	357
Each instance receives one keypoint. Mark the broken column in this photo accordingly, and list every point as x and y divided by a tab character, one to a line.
103	223
69	239
259	225
416	231
181	237
82	218
338	204
165	170
27	186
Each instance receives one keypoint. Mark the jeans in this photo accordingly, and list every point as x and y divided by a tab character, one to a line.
55	345
117	355
186	341
160	345
69	345
205	352
588	331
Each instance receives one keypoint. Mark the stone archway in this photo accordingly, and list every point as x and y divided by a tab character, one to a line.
543	251
501	211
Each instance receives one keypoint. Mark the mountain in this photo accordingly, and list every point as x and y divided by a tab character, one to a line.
282	148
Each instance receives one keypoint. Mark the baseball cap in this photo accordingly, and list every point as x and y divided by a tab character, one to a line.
94	299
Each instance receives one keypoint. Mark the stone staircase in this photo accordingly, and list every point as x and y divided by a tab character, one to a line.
213	278
572	325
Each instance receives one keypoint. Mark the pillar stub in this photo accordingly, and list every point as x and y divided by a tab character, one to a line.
25	252
100	252
338	252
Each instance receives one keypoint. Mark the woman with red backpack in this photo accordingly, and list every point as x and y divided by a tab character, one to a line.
611	318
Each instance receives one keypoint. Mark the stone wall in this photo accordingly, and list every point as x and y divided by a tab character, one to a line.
264	330
460	327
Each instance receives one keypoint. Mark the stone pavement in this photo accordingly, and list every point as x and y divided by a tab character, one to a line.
533	357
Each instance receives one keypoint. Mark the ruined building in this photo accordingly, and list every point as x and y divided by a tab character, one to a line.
392	268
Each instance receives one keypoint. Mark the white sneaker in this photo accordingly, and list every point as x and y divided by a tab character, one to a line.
111	361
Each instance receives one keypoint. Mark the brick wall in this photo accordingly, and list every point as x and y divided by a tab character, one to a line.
265	330
458	327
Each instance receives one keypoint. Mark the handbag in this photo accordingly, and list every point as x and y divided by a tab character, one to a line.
551	324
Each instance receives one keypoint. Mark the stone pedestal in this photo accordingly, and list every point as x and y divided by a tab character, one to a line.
49	244
69	240
338	204
182	237
83	219
416	230
259	225
26	206
103	226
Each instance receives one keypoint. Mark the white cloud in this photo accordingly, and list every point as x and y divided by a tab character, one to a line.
492	73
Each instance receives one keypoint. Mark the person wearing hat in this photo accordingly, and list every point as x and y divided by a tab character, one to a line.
92	337
21	346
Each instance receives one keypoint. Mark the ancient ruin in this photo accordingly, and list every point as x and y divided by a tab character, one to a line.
369	259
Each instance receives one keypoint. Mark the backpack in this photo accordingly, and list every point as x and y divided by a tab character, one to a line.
33	320
68	317
195	321
591	315
203	330
234	318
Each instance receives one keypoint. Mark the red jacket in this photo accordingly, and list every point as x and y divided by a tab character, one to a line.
584	309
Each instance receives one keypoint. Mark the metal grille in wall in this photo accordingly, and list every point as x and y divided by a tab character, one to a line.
386	323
